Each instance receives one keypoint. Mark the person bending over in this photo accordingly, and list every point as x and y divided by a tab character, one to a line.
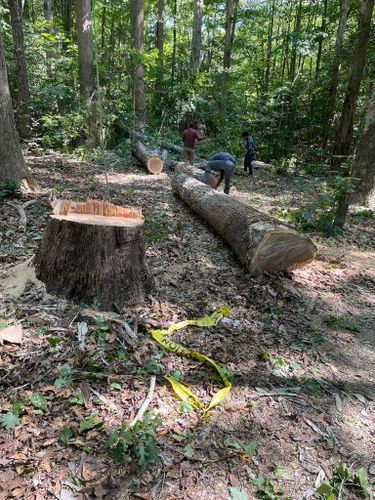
225	164
250	152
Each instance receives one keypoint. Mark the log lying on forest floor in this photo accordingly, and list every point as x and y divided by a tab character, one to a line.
260	164
94	251
260	242
150	159
197	173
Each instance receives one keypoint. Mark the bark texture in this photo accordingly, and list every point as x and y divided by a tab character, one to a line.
260	242
344	132
197	173
150	159
86	61
230	26
93	257
335	69
195	57
12	165
137	34
23	91
364	164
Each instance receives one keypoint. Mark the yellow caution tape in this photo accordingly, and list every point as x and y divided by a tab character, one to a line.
181	391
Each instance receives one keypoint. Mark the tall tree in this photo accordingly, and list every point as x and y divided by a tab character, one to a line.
48	14
23	91
160	43
296	36
344	132
86	64
12	165
230	26
364	163
271	10
321	39
335	68
137	33
174	51
195	56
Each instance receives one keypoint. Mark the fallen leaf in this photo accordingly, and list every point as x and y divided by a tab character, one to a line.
12	334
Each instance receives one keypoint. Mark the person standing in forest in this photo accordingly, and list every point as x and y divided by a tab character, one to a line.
223	163
250	152
189	138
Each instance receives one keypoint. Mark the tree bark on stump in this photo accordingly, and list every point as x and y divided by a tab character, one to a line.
94	251
148	158
260	242
197	173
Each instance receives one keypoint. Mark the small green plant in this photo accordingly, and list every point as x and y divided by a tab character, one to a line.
10	189
39	402
101	331
152	367
138	442
367	213
65	375
266	489
282	166
336	322
91	422
343	479
236	494
156	229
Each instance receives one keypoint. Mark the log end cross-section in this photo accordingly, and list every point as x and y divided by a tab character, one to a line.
149	159
94	251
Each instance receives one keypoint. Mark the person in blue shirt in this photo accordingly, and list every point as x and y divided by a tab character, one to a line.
225	164
250	152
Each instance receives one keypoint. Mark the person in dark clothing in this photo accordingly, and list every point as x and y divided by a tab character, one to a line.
189	138
250	152
225	164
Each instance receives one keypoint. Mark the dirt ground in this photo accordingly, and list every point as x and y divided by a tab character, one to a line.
300	350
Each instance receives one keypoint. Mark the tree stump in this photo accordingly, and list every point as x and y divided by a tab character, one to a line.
94	251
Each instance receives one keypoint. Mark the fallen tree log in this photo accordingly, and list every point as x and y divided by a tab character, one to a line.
150	159
260	242
94	251
197	173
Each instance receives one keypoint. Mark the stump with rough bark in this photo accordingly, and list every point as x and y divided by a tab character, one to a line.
260	242
94	252
197	173
150	159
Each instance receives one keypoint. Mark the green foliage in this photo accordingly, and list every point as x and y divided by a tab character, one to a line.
91	422
344	479
10	189
38	401
138	442
156	229
10	420
266	489
337	322
236	494
101	331
320	213
65	373
365	214
65	436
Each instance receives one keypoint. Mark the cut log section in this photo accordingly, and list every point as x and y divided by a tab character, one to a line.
260	242
94	252
197	173
148	158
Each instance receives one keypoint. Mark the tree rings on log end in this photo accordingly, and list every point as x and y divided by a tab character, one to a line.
281	249
154	165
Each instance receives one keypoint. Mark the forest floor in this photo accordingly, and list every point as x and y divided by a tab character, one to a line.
300	348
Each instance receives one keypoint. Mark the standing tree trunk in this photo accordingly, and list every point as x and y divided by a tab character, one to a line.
297	28
195	57
321	39
86	61
160	44
344	132
48	14
332	91
23	117
137	22
12	165
67	16
269	44
364	163
174	51
230	26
